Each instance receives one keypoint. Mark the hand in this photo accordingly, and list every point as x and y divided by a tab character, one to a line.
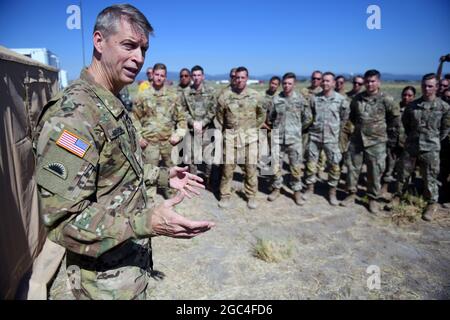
166	222
182	180
143	143
174	140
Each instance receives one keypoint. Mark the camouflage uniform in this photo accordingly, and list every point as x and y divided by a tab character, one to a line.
200	106
426	124
394	151
159	115
372	116
330	115
289	115
240	116
91	182
308	93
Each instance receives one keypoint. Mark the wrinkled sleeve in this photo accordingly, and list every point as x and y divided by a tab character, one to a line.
68	193
393	121
307	114
179	118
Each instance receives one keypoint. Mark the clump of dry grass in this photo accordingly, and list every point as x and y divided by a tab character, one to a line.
270	251
409	210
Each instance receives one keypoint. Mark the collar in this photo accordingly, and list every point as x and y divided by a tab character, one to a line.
110	101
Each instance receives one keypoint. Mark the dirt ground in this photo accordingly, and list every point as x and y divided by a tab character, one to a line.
323	252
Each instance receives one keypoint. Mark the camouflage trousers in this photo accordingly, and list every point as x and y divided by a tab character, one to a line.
333	158
392	159
294	153
375	159
248	166
152	154
119	274
197	146
428	163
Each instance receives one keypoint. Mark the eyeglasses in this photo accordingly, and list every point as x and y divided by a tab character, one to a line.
358	83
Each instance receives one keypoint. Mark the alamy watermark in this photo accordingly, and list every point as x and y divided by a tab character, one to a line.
374	20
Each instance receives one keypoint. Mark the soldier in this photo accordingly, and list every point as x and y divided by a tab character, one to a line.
330	110
427	123
347	130
340	85
373	113
289	114
314	88
90	175
395	148
185	81
274	84
358	83
200	103
443	86
146	83
160	121
241	112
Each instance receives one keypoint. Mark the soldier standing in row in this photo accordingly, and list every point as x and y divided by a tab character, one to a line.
330	111
90	176
146	83
395	148
200	104
372	112
160	120
340	85
427	123
289	114
241	112
185	81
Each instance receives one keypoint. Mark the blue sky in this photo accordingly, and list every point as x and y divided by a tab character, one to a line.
268	37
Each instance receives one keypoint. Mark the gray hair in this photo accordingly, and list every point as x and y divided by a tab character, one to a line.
108	20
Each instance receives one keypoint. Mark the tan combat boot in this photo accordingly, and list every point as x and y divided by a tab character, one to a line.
349	200
224	203
298	198
309	191
395	201
373	206
384	192
274	195
430	211
251	203
332	196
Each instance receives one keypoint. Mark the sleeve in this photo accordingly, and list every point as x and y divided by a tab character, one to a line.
220	115
344	113
185	107
138	112
445	122
392	121
261	112
180	119
307	115
67	187
210	113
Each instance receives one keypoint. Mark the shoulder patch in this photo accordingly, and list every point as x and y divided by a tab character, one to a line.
58	169
72	143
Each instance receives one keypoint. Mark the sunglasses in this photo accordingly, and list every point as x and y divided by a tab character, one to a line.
358	83
318	79
184	76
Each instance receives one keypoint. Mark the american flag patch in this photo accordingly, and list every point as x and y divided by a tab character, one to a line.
73	143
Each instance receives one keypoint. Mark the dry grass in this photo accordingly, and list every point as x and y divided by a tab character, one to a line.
269	251
409	210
